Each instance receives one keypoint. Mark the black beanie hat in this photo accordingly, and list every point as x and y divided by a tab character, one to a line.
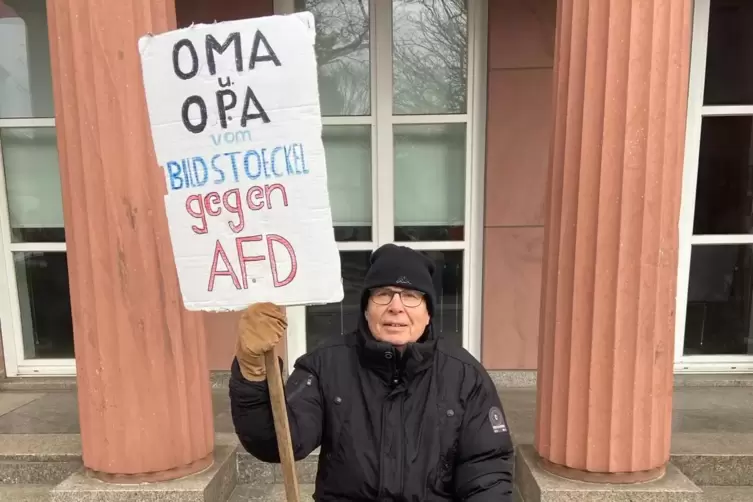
400	266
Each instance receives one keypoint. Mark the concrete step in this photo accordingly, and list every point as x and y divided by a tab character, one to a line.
256	473
730	464
717	470
727	493
38	459
715	459
25	493
268	493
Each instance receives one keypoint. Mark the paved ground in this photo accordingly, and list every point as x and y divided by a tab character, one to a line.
704	417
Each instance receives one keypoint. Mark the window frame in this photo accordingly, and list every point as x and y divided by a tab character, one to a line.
16	363
696	111
382	120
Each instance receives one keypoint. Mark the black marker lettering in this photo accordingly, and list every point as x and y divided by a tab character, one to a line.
256	58
247	115
194	59
223	107
212	46
194	100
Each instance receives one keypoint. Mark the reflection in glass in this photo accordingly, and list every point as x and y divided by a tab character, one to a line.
25	75
429	182
720	295
44	300
448	282
348	152
724	195
729	74
430	56
324	321
342	52
32	179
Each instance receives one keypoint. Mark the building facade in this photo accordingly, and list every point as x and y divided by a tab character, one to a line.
454	163
437	129
577	169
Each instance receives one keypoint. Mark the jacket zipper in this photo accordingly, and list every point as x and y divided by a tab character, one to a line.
401	453
400	432
381	452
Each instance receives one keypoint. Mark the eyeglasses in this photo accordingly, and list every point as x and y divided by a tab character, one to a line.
384	296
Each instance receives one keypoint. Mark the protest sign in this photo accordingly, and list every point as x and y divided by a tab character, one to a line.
235	118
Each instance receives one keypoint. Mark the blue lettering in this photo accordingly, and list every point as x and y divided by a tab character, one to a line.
269	164
296	159
186	172
288	164
194	172
302	158
217	170
264	163
233	164
272	157
200	160
173	171
258	164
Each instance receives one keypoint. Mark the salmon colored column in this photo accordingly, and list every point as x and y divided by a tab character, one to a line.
143	383
610	262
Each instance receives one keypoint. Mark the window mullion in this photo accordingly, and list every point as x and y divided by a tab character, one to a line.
384	194
696	87
9	304
473	224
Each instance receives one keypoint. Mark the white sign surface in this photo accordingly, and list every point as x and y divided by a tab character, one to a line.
234	110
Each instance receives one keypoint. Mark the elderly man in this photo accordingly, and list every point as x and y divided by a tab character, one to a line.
399	413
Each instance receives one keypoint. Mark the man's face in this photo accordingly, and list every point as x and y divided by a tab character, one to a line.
396	315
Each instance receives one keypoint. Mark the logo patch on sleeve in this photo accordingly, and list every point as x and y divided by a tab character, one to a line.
497	420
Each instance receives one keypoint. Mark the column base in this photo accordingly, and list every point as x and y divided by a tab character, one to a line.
620	478
155	477
210	485
535	484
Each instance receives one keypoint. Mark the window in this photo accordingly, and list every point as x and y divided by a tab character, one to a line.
715	284
399	100
35	309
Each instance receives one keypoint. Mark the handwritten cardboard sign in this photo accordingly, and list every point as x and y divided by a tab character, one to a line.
234	111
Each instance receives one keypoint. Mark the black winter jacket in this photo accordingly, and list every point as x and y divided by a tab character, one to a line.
422	426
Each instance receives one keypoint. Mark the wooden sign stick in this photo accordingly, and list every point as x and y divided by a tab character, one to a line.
282	427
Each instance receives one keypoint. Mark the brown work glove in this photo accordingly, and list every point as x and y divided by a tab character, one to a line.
259	330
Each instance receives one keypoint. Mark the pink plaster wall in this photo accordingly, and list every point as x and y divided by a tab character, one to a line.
521	48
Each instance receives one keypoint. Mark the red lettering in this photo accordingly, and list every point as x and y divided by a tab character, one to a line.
219	252
268	191
213	204
199	214
271	238
259	193
237	209
208	198
243	259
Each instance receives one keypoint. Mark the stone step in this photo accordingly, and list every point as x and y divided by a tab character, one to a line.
715	459
717	470
256	473
38	459
731	466
268	493
727	493
25	493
